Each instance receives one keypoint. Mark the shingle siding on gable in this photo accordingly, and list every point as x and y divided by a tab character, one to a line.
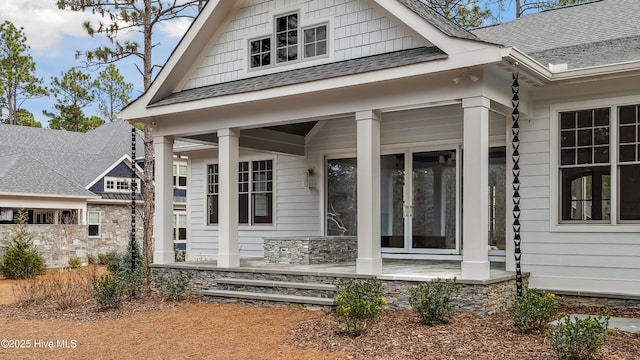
358	30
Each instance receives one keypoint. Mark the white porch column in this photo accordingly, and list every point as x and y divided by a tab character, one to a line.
475	202
163	217
228	149
368	138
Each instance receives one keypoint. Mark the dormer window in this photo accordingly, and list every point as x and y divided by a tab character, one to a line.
290	41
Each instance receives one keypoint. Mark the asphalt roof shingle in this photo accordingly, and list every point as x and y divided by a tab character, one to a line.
55	162
596	33
314	73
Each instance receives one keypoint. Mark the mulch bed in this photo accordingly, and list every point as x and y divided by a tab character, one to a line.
398	335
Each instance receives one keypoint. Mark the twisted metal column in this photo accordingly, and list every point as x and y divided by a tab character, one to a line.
515	143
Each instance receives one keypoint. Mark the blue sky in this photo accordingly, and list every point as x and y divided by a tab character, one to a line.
55	35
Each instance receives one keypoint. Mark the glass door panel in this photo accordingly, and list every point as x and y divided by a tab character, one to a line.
433	221
497	198
392	190
342	197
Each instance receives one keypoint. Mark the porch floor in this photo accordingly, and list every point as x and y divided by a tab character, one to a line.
392	269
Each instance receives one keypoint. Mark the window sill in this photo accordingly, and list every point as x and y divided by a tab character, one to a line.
596	228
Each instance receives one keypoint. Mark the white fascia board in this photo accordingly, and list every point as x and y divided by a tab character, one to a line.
125	158
48	196
481	57
613	70
181	60
522	60
515	56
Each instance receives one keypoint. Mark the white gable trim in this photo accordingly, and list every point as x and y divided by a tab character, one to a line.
125	158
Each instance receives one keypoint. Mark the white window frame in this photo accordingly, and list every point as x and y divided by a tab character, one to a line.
90	224
177	176
250	225
176	222
615	225
115	181
300	45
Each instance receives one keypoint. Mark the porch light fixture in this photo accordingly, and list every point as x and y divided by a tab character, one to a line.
307	178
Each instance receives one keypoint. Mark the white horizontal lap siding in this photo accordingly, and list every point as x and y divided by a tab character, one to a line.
296	209
357	30
565	261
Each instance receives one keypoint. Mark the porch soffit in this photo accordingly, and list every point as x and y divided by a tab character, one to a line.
298	76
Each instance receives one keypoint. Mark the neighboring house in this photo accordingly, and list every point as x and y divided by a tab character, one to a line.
74	188
381	119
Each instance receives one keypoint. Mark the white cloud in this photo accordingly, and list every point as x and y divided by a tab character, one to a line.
46	26
175	28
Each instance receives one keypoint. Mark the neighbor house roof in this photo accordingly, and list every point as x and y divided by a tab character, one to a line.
590	34
55	162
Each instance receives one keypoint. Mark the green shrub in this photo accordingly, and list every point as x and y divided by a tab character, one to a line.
91	259
107	292
131	273
111	258
172	286
359	303
579	339
433	301
74	262
21	258
533	310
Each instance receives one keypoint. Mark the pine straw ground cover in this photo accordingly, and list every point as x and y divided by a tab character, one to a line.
152	328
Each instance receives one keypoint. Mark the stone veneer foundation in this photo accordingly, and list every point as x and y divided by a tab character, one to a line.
307	250
58	243
482	297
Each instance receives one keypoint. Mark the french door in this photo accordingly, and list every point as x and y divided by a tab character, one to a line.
419	202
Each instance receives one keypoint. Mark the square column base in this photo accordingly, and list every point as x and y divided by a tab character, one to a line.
475	270
164	257
369	266
229	260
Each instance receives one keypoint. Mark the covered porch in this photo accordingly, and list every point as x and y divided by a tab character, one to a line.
399	118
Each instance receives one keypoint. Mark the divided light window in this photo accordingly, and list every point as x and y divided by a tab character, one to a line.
287	42
255	192
120	185
93	222
180	176
586	164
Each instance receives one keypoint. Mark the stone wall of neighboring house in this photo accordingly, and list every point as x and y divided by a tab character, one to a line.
58	243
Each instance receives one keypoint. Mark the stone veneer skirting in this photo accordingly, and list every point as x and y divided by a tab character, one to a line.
482	297
58	243
307	250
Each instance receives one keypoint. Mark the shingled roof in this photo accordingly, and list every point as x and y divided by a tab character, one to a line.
55	162
596	33
314	73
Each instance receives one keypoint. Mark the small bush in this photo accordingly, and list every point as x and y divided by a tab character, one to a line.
172	286
579	339
359	303
74	262
61	289
91	259
107	292
111	257
21	258
433	301
533	310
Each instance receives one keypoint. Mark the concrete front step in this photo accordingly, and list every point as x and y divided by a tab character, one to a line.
312	300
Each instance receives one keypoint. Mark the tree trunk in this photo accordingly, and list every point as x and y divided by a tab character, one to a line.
518	9
149	187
